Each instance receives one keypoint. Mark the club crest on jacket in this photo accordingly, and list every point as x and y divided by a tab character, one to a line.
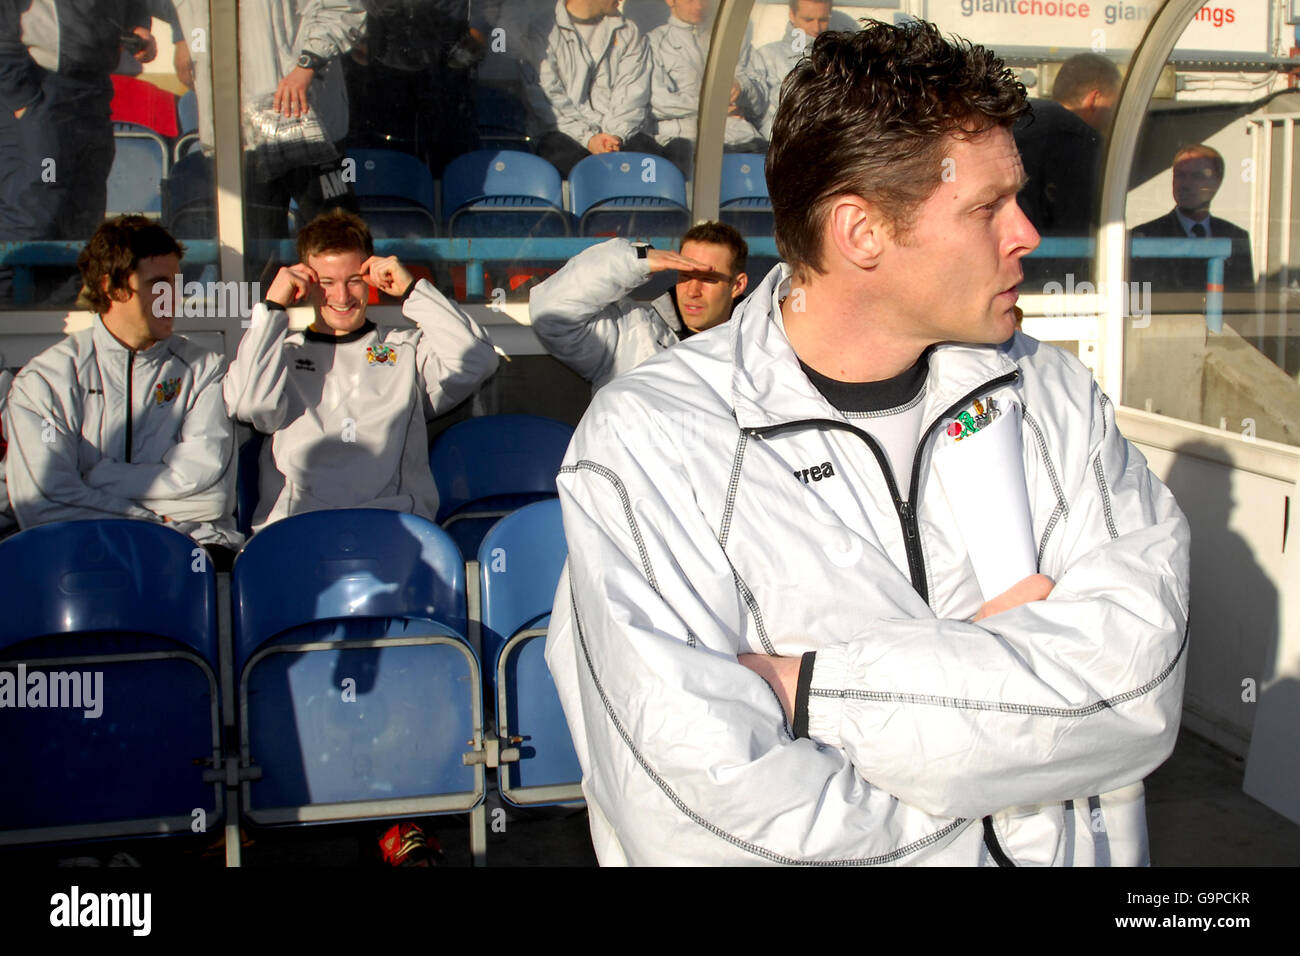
166	390
381	355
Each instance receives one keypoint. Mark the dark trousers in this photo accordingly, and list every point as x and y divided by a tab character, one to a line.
563	152
428	112
54	163
313	188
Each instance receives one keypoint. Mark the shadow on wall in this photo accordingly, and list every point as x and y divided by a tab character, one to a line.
1234	604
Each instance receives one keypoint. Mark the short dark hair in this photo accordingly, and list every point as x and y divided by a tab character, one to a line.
720	234
335	230
794	4
1200	150
1081	74
869	113
115	250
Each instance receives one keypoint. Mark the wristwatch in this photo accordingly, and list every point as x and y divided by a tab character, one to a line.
310	61
642	249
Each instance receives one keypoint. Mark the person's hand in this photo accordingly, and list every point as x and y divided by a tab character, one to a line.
1036	587
661	260
604	143
733	104
150	45
18	114
387	275
292	284
183	63
782	673
291	94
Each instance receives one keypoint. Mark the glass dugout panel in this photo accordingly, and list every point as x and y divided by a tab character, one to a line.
125	129
1211	335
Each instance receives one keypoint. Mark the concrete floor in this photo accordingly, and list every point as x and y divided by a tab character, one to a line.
1196	812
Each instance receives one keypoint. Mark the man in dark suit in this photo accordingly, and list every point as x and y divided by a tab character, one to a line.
1198	174
1060	144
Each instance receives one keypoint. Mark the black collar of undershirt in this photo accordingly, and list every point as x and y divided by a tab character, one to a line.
326	338
872	396
586	21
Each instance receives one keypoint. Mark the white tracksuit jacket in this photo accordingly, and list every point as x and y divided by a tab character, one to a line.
695	533
772	62
580	94
347	415
74	452
583	317
678	51
274	33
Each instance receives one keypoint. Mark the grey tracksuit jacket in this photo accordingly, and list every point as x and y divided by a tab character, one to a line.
930	739
679	51
97	430
583	317
347	414
581	93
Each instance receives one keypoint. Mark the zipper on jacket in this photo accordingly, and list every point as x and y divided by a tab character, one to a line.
130	366
906	508
908	513
995	848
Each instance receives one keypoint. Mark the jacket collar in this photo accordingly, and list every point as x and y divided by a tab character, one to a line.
666	307
106	342
600	40
696	31
769	388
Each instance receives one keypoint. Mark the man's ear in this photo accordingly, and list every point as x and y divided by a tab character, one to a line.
856	230
739	285
114	293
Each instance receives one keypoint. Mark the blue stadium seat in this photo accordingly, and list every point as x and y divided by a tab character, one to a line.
133	602
520	561
628	194
502	119
487	467
503	193
359	695
139	167
396	194
743	200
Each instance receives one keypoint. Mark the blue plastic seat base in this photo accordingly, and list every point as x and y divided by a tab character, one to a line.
532	710
337	733
72	775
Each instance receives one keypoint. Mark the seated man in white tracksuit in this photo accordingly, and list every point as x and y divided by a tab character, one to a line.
586	74
774	61
770	643
583	317
678	50
125	419
346	406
